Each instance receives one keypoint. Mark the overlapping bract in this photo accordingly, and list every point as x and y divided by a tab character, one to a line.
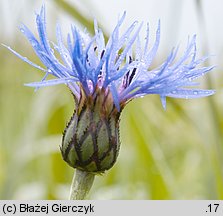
121	66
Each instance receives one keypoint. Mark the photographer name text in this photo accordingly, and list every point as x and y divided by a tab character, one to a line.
46	209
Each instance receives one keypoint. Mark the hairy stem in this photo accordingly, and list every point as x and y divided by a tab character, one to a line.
81	185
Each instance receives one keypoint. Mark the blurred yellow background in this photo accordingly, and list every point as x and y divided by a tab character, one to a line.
173	154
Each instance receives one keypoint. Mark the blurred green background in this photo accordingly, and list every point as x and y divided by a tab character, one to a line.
173	154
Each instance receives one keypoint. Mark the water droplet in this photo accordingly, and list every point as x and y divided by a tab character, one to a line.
174	92
33	43
195	92
190	79
135	23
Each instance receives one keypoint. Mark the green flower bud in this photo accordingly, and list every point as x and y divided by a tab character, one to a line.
91	138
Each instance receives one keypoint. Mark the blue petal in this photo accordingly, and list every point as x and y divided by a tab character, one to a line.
25	59
163	101
151	54
115	96
51	82
190	93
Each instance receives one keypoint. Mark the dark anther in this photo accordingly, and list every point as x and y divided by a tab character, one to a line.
132	75
87	59
102	53
127	75
125	80
95	48
130	59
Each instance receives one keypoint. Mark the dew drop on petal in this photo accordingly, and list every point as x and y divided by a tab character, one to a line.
143	64
33	43
126	38
195	92
135	23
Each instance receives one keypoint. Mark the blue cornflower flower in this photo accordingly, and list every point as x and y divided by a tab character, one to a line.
103	77
89	63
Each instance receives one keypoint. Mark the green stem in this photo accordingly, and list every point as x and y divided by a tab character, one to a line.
81	185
